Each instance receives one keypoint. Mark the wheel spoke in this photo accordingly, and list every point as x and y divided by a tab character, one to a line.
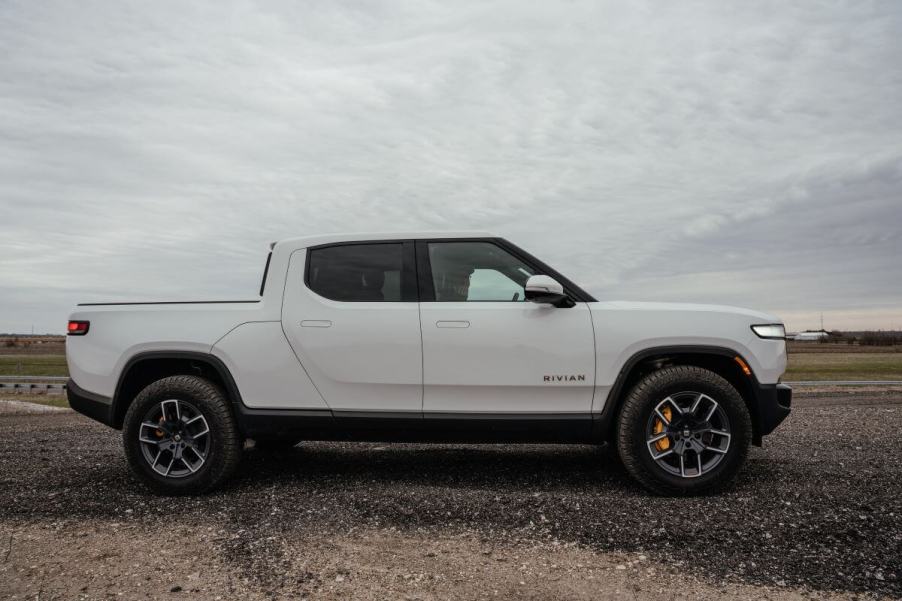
661	455
716	450
683	465
713	409
205	431
188	465
196	454
722	434
655	439
699	456
673	404
152	440
169	467
154	427
169	416
696	403
204	428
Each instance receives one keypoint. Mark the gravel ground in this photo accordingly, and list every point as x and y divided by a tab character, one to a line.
11	407
816	512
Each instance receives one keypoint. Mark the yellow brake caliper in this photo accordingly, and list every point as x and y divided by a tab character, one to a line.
663	444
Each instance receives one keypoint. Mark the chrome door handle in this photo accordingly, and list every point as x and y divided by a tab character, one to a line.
316	323
452	324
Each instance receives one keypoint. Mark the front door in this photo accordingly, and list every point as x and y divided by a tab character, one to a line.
351	316
486	350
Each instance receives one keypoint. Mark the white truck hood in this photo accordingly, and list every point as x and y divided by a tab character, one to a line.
753	315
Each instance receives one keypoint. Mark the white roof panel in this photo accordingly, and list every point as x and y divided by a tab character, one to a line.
307	241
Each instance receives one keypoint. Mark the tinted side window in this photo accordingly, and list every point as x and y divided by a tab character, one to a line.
357	272
476	271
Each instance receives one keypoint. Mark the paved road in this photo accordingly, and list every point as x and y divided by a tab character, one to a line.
819	507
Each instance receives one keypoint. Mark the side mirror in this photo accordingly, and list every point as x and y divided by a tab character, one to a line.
546	290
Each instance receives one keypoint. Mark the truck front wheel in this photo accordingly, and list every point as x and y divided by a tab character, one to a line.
683	430
180	437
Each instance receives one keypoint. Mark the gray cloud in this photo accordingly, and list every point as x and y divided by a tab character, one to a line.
718	152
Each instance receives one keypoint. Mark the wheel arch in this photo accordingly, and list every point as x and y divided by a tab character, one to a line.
720	360
150	366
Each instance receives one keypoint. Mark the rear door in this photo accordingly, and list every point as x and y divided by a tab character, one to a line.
351	317
486	350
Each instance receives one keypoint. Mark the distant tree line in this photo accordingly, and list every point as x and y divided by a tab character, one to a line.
880	338
865	338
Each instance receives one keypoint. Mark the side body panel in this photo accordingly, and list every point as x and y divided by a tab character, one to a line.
119	332
507	357
623	329
361	356
265	368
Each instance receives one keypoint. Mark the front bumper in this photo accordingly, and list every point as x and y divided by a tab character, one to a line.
87	403
774	402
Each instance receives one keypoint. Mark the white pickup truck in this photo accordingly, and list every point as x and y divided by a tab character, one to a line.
427	337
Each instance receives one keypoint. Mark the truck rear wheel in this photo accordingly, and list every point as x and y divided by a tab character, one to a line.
180	436
683	430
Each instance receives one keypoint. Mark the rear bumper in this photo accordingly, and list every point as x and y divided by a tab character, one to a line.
774	405
92	405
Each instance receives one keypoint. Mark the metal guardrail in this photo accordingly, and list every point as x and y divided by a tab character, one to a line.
5	378
50	384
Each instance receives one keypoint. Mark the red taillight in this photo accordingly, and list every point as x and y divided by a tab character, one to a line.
78	328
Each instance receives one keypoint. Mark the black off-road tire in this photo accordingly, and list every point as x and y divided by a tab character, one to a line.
637	410
225	446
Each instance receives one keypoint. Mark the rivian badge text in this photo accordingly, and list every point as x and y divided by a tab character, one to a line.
577	378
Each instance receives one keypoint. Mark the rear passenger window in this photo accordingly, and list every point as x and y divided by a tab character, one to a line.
357	272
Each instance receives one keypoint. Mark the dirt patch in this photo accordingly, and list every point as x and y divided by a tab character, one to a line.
101	560
12	407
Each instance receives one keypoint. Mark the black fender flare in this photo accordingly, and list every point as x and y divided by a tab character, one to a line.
208	359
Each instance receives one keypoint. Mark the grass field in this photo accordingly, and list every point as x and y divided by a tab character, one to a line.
844	366
33	365
802	366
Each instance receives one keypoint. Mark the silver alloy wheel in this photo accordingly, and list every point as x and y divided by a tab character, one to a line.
688	434
175	438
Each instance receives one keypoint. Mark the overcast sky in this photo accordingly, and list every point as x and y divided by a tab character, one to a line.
745	153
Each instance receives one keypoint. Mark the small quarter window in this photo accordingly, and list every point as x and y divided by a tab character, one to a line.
357	272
